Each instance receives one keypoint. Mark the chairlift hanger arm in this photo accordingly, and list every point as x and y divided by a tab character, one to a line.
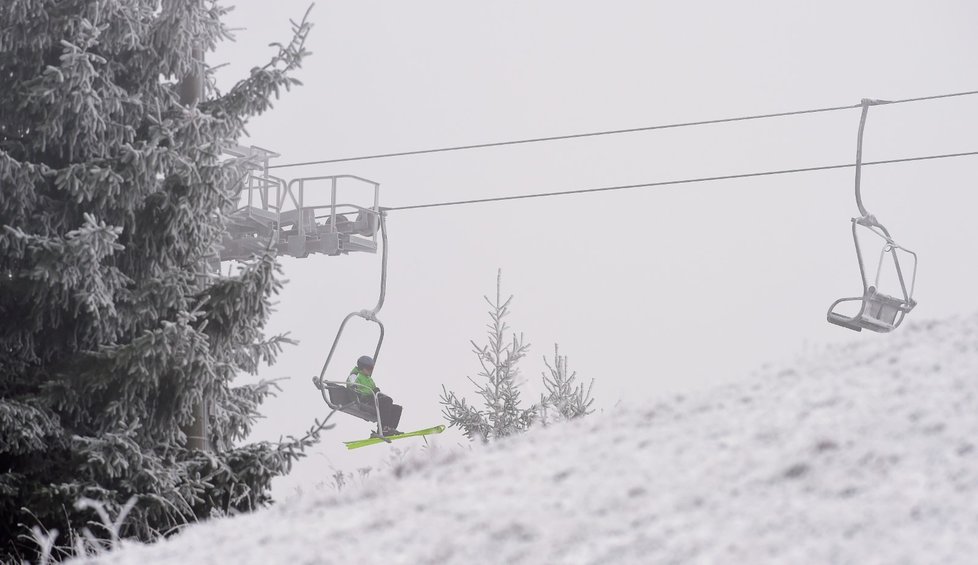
369	315
865	104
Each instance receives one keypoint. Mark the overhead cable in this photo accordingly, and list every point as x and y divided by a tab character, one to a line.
675	182
614	132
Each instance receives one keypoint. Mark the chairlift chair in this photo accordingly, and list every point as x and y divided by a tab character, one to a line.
878	312
339	396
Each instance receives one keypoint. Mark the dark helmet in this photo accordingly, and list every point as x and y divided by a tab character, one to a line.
365	362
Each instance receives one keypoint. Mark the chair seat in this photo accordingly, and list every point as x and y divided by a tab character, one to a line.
859	323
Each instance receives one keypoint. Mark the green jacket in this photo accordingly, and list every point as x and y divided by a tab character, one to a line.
361	382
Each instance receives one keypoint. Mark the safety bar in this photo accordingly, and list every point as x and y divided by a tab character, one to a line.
890	247
368	315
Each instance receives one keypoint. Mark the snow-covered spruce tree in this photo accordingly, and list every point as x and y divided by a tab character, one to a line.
113	196
502	414
564	398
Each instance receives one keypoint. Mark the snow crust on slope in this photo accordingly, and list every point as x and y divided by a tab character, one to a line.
855	454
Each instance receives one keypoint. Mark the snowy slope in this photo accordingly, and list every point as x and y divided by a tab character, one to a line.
858	454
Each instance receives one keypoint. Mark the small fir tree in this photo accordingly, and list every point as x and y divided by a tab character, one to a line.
113	194
502	414
564	399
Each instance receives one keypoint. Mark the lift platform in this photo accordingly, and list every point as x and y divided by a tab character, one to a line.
301	216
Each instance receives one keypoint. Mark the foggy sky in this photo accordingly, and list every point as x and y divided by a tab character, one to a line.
649	291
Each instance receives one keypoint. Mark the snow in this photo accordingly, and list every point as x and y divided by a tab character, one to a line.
862	453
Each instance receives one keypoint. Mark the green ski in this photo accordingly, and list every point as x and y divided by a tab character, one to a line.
375	440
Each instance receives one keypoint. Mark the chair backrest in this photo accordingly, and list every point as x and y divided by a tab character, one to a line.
879	313
340	395
349	403
883	308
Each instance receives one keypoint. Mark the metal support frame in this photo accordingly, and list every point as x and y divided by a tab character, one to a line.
290	224
288	207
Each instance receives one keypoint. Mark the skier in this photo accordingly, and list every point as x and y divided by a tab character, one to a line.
362	382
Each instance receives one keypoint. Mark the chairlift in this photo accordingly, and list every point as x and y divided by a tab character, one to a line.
877	312
337	394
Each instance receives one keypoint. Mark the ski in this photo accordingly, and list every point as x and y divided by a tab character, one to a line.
375	440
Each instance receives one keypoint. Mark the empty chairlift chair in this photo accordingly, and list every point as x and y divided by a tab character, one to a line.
877	312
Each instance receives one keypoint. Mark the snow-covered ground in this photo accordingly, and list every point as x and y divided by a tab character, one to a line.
859	454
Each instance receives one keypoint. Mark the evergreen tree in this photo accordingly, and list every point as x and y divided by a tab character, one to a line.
113	197
502	414
564	398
